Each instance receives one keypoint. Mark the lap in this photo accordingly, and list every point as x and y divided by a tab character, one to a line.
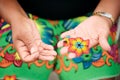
97	64
11	65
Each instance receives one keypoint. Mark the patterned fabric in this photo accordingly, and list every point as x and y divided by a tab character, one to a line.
90	64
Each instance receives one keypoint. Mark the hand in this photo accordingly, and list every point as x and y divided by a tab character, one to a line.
95	28
28	43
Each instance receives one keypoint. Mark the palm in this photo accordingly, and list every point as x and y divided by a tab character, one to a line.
96	31
28	43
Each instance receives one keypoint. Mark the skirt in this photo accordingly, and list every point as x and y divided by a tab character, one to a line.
95	65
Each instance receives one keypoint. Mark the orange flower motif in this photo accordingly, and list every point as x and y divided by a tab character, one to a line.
10	77
78	46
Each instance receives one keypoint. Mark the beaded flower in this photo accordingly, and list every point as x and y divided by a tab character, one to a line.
78	46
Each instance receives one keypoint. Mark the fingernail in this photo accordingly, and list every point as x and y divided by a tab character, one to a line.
51	47
71	55
109	49
52	58
54	53
40	48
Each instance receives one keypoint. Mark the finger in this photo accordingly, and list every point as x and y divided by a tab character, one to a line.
50	58
60	43
93	42
65	34
39	42
104	43
30	37
40	49
30	42
92	37
64	50
48	53
24	52
71	55
30	58
46	46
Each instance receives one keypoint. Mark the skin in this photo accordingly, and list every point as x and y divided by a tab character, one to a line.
95	32
95	28
26	36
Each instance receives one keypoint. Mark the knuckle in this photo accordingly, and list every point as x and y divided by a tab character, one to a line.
24	59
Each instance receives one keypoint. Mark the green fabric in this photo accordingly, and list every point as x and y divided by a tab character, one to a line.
84	67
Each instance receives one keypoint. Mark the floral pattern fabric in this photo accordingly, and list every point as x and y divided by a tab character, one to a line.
87	64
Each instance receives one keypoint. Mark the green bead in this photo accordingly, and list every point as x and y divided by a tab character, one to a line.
97	49
87	57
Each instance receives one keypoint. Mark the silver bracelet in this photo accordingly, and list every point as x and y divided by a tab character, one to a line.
105	14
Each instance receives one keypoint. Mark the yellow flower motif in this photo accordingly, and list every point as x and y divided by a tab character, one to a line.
78	46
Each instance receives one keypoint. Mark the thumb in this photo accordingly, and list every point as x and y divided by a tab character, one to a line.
30	41
33	49
104	43
67	34
24	53
32	38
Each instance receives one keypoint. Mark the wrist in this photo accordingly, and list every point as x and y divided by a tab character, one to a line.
105	15
18	20
102	20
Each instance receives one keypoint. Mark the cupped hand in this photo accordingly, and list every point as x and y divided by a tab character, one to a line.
28	43
95	29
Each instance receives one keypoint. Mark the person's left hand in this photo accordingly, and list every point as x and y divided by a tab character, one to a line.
95	29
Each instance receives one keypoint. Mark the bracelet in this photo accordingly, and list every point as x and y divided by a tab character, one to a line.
105	14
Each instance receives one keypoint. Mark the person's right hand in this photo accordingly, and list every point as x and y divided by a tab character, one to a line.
27	42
